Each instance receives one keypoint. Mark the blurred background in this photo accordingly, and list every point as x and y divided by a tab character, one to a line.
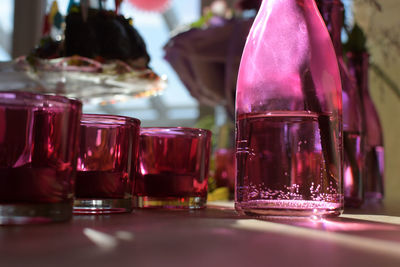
21	24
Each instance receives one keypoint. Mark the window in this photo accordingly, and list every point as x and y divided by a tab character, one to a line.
6	28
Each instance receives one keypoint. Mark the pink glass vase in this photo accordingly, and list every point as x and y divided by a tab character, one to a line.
373	160
332	13
288	115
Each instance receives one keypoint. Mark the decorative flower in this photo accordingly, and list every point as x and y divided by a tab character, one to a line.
151	5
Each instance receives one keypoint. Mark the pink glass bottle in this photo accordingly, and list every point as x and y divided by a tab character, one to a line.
288	115
373	161
332	12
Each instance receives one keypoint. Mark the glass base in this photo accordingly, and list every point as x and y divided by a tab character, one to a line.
102	206
34	213
170	202
299	208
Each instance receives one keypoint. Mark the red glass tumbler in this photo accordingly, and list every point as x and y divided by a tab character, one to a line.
38	143
104	180
173	168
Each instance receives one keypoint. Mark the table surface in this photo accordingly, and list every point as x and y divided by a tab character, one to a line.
215	236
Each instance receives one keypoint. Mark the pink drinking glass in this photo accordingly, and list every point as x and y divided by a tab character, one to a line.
38	143
173	168
104	181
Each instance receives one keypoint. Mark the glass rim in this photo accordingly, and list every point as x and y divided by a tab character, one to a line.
153	131
31	99
107	119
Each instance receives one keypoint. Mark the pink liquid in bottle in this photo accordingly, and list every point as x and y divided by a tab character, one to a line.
281	156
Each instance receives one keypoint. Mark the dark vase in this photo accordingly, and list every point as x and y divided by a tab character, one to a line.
373	160
332	13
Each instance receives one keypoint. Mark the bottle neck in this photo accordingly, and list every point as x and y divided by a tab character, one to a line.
332	12
358	64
